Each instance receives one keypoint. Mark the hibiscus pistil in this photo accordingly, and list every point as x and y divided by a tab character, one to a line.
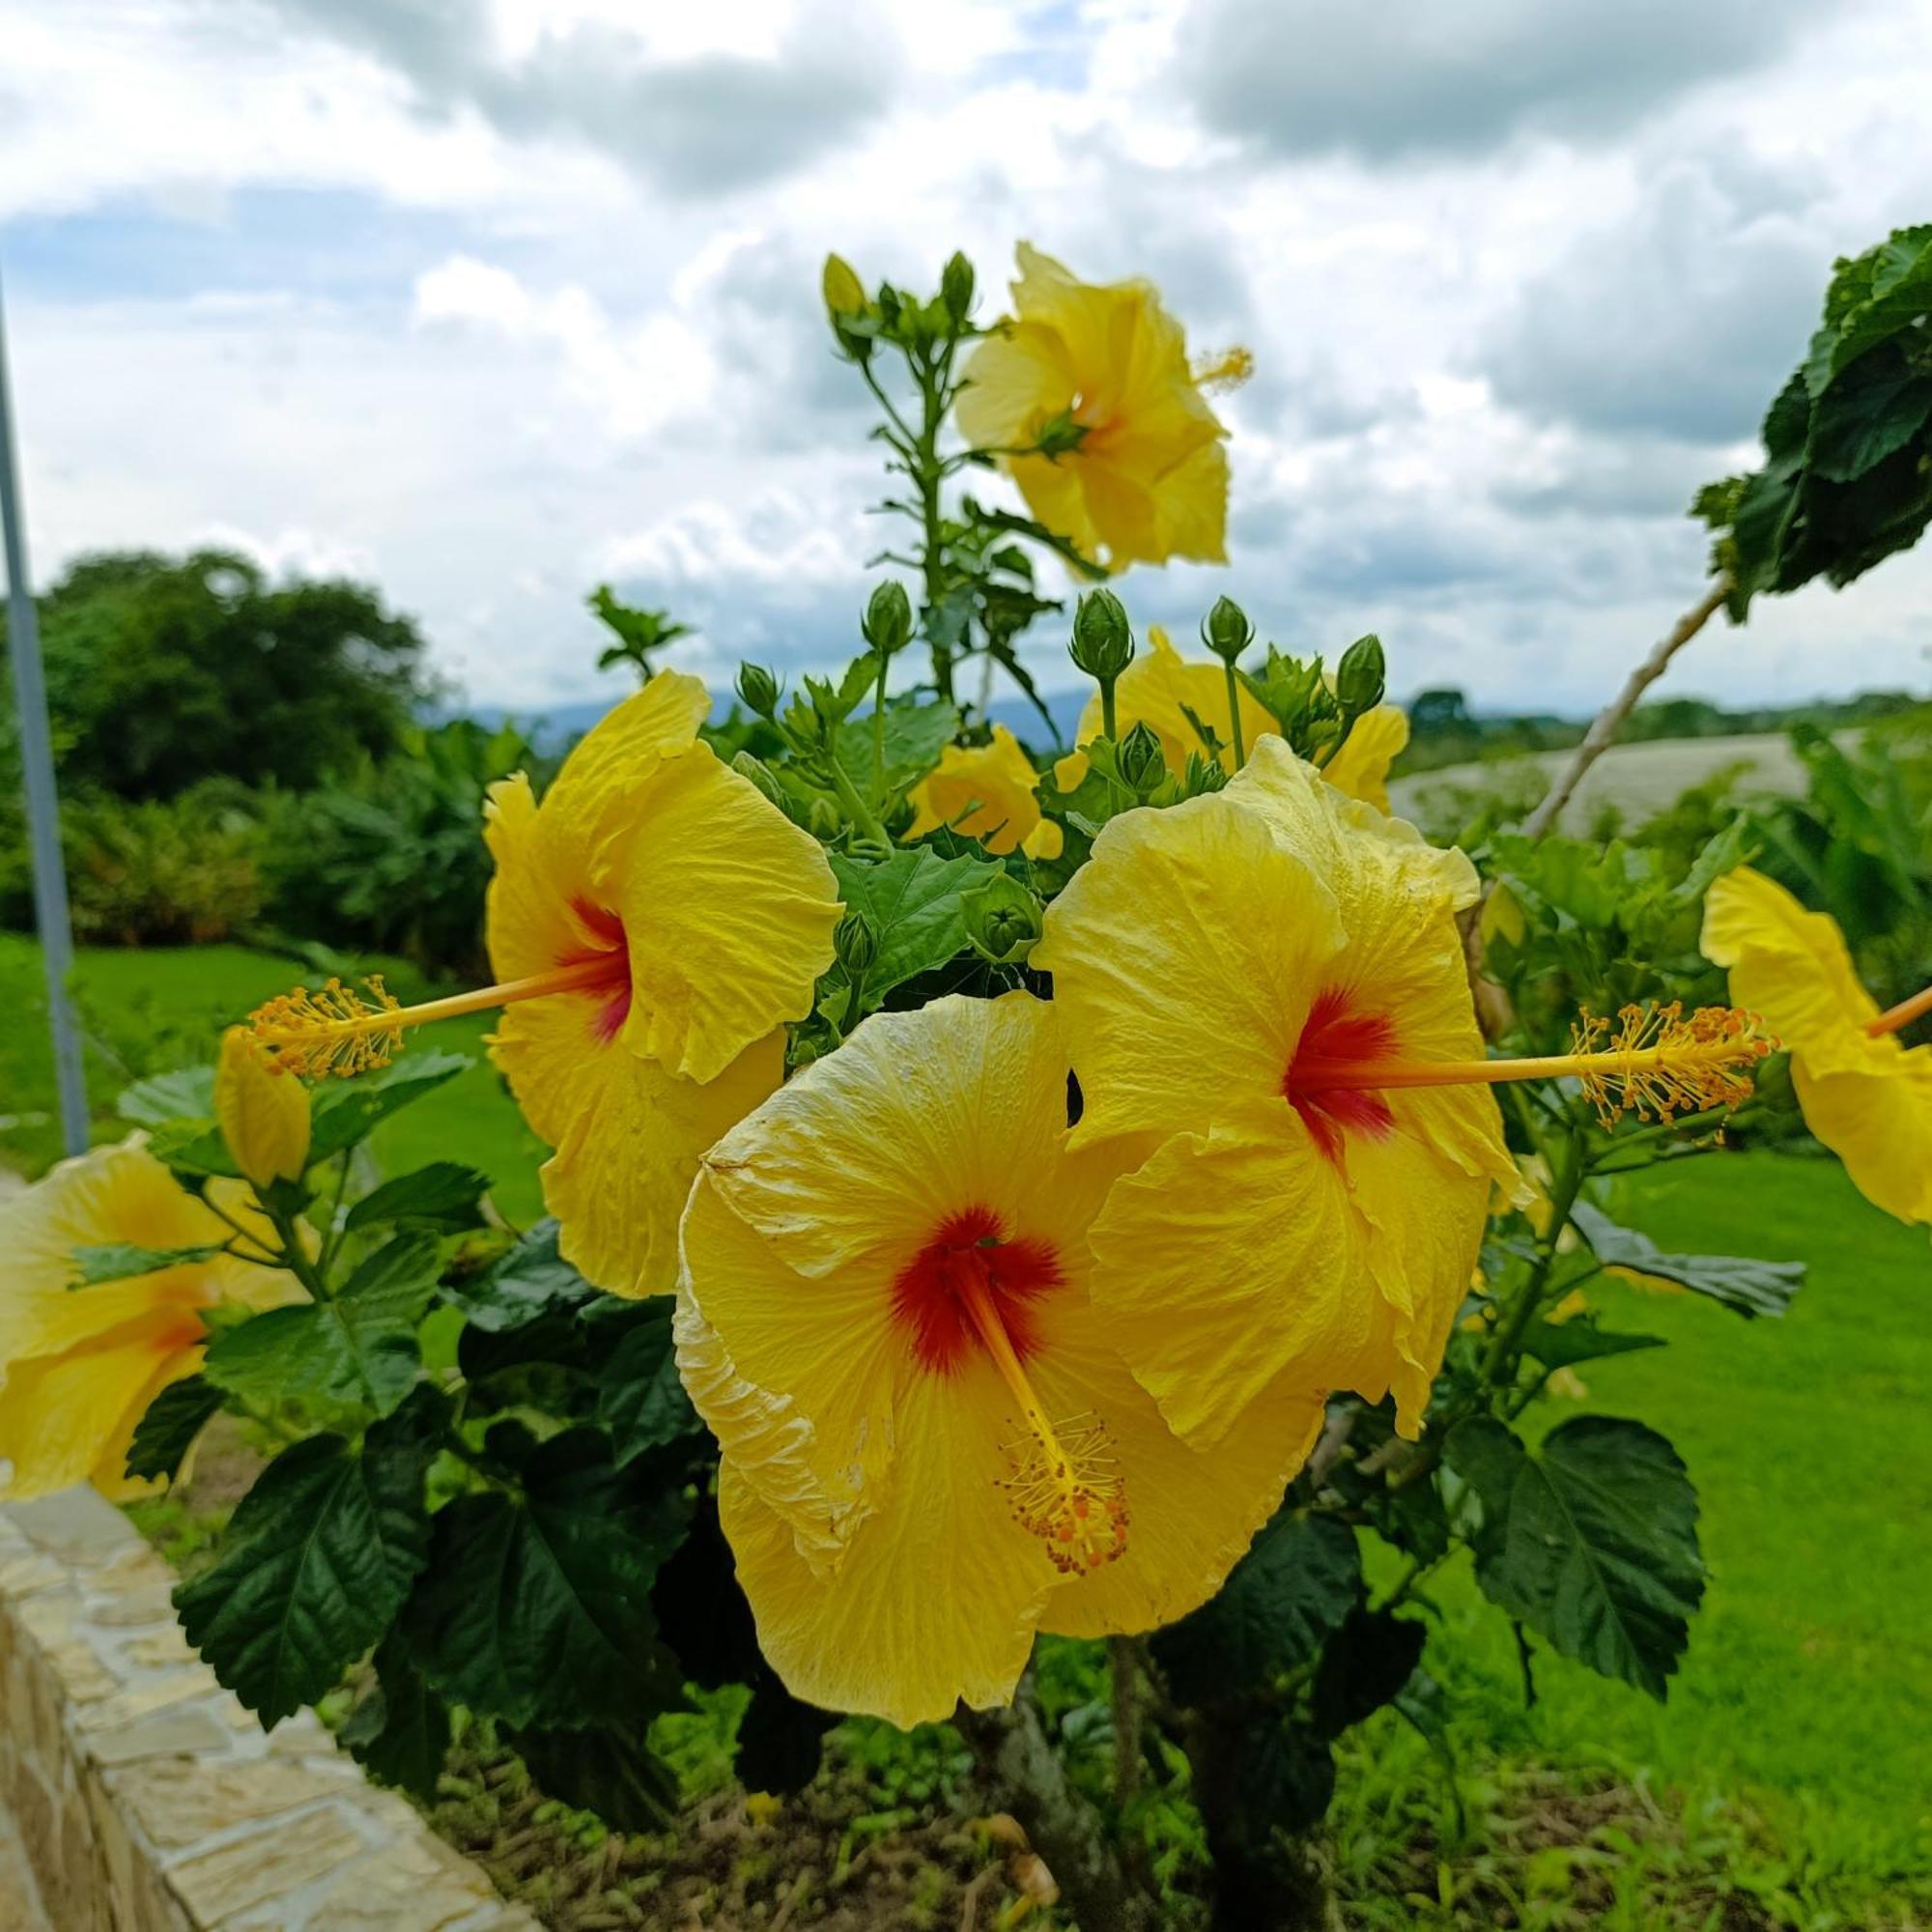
1893	1019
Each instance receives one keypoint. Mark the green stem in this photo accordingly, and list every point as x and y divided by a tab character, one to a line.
928	472
879	731
855	807
1566	1179
1107	720
331	1243
1234	717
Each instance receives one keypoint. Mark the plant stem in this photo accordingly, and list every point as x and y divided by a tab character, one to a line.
1566	1177
1234	717
879	729
1610	721
1108	725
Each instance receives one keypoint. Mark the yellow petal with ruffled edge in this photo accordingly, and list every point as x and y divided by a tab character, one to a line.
988	792
1158	690
728	910
1184	956
1360	766
1149	480
78	1365
1868	1098
862	1489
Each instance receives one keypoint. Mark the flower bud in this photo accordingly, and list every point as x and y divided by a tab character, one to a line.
888	623
263	1112
845	292
1143	764
955	288
822	820
759	688
1103	642
1226	633
855	939
1360	678
1003	920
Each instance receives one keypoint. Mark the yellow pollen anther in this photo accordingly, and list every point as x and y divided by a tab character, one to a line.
1658	1063
1061	1480
339	1030
1227	370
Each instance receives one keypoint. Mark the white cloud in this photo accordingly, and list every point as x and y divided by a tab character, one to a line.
489	302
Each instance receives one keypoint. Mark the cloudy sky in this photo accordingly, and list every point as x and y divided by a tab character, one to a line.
490	300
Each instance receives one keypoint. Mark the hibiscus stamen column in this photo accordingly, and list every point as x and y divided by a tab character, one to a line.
1656	1063
1894	1019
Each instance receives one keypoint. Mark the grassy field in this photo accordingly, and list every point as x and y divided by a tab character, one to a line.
1791	1753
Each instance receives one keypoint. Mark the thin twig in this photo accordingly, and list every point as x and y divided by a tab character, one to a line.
1610	721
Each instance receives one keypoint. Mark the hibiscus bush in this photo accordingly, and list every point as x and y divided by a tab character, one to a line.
994	1194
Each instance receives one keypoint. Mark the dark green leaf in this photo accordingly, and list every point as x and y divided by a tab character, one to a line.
1300	1580
318	1559
1741	1282
1364	1666
1264	1773
536	1607
617	1777
530	1280
781	1740
442	1195
916	733
121	1261
1870	412
401	1731
1558	1345
914	903
640	1398
1592	1541
163	1436
346	1111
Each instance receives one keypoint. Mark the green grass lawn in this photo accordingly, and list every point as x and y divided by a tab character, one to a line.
1809	1677
144	1011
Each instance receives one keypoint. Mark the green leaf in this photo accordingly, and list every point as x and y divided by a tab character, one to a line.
1560	1344
318	1559
443	1195
916	733
640	1397
1872	411
186	1093
347	1112
166	1433
1591	1541
1262	1774
1300	1580
358	1350
535	1608
914	903
614	1775
1740	1282
122	1261
532	1279
1364	1666
401	1731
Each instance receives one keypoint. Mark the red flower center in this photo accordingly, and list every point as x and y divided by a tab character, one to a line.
1338	1032
602	940
968	1253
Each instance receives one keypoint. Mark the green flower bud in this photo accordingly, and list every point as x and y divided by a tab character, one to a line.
1360	677
760	775
1142	762
1003	920
855	939
759	688
887	621
1103	640
1226	633
955	288
823	820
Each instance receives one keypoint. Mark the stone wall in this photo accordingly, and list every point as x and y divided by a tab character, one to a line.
150	1801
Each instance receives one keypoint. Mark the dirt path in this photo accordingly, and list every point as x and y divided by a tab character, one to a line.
1638	780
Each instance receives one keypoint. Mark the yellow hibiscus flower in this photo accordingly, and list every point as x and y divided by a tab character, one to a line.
1160	686
1270	980
1145	478
655	920
1863	1093
988	792
78	1367
930	1447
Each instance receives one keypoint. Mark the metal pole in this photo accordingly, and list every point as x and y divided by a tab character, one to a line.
37	759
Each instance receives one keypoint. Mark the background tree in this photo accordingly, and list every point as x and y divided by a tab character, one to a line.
164	671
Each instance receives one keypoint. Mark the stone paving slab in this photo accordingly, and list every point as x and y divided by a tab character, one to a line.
145	1799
